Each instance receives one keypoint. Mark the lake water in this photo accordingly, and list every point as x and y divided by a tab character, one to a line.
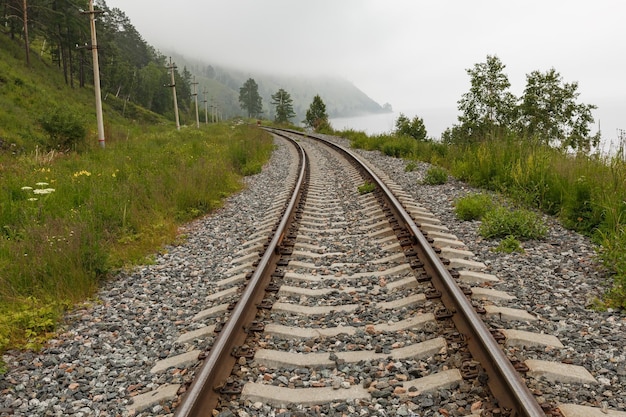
435	120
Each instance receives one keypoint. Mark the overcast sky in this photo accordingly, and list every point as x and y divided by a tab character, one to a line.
410	53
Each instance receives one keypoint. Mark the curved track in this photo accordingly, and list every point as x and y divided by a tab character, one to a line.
488	362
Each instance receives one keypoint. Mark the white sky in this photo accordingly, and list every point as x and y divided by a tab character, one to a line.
410	53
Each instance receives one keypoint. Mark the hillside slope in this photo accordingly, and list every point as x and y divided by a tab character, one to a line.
342	98
28	95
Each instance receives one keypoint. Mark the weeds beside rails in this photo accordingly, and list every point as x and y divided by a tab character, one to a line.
586	192
68	220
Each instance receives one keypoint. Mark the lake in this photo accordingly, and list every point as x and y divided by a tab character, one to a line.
435	120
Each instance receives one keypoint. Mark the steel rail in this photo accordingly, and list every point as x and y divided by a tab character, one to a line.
200	399
505	382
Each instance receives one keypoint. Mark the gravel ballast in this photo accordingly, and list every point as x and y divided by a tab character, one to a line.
103	355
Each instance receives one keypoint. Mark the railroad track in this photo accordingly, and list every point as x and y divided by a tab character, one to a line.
350	313
354	307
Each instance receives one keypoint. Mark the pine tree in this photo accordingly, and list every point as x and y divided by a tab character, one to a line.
284	106
316	116
249	98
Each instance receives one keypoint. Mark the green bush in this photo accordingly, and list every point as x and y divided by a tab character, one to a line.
436	176
473	206
509	245
399	147
578	212
521	224
65	129
612	255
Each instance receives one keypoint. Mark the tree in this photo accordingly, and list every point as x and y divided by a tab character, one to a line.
488	106
249	98
316	116
549	111
414	128
284	106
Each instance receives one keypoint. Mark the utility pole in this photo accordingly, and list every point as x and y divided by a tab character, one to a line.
26	41
206	109
96	73
195	96
172	67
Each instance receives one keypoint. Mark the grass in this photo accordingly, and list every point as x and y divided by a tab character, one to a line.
109	209
410	166
501	222
72	213
366	188
585	192
509	245
473	206
435	176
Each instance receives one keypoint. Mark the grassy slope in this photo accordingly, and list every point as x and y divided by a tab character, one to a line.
109	208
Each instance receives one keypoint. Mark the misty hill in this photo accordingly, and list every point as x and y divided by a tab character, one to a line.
342	98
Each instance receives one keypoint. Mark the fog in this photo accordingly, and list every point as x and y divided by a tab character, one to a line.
410	53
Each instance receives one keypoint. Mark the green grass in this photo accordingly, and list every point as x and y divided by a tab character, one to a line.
366	188
473	206
509	245
435	176
410	166
502	222
109	209
72	213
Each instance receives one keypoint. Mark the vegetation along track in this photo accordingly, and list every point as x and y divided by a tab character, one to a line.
364	313
385	347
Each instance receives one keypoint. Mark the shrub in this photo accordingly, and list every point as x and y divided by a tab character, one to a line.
503	222
65	129
399	147
436	176
612	256
578	212
509	245
473	206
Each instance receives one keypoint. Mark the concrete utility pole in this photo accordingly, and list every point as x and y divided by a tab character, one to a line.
214	113
26	40
195	95
206	108
172	67
96	73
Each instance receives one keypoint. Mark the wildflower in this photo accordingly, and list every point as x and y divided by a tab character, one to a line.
27	188
41	184
44	191
83	172
33	199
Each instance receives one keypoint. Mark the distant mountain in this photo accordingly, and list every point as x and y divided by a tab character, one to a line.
342	98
